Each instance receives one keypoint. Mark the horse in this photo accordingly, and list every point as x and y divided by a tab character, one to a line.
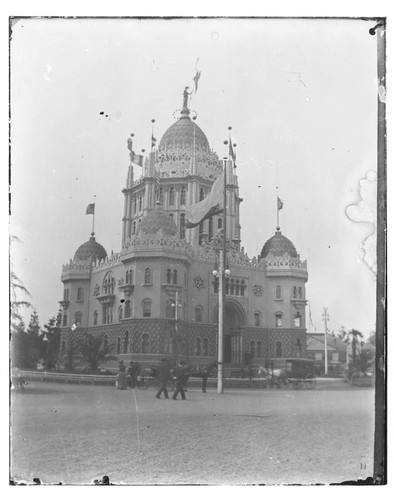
17	380
202	373
274	376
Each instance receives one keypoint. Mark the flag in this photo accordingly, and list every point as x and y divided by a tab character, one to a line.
153	141
196	77
232	153
90	209
280	203
138	160
212	205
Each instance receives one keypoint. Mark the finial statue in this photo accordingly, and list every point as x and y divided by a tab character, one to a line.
185	97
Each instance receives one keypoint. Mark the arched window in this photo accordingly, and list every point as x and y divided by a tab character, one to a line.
118	346
148	276
134	227
252	349
66	294
126	343
127	309
299	292
182	227
197	350
108	284
140	203
79	295
295	292
135	205
202	194
170	309
145	344
168	275
278	319
183	196
278	350
198	314
297	320
105	343
220	223
171	196
243	286
161	196
175	276
95	318
63	349
120	313
78	318
298	348
64	320
278	295
258	349
210	228
257	318
205	347
146	308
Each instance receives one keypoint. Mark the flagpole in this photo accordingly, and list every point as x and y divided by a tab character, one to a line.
277	210
94	214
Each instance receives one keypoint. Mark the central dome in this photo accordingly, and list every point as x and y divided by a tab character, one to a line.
90	250
156	220
278	245
184	134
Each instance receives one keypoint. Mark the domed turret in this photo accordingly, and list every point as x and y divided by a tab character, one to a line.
90	250
184	134
278	245
156	220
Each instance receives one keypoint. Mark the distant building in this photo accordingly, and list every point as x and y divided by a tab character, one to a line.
157	296
336	353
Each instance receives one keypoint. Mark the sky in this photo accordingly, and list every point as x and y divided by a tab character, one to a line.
300	96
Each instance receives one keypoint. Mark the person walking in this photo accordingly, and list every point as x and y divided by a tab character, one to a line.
180	376
163	377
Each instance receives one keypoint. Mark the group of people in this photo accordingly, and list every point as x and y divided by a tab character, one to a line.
129	377
180	376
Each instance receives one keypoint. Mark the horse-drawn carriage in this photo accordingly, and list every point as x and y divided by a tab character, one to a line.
297	373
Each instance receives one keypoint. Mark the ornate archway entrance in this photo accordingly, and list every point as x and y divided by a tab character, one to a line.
234	321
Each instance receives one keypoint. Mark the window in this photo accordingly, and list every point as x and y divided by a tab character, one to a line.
210	228
148	276
118	346
220	223
126	343
134	227
295	292
78	318
146	308
278	295
297	320
145	344
197	349
120	313
243	286
278	319
175	276
108	284
335	356
140	203
318	356
107	314
64	320
298	348
66	294
95	318
79	295
215	284
252	349
202	194
135	204
299	292
127	309
183	196
205	347
171	196
182	230
198	314
161	196
278	350
129	277
170	309
257	318
258	349
168	275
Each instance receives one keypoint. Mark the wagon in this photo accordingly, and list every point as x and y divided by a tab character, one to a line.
300	373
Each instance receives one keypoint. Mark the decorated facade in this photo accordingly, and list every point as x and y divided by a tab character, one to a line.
158	295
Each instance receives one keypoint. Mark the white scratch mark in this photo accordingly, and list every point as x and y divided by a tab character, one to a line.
382	93
364	211
138	421
48	69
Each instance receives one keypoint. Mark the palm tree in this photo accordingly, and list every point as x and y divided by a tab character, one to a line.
352	336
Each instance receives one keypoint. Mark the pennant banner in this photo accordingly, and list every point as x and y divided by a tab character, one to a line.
90	209
212	205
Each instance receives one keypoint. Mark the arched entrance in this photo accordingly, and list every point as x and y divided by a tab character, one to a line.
234	321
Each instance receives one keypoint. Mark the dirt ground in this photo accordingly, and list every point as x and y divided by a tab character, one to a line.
78	433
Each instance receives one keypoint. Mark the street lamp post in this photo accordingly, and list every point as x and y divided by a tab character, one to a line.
326	318
46	343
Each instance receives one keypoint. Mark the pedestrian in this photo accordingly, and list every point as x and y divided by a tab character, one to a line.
163	377
133	374
180	377
122	381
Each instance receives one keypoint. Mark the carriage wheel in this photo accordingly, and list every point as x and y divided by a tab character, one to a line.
310	381
296	384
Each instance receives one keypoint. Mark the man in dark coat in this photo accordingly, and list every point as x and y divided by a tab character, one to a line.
163	377
181	377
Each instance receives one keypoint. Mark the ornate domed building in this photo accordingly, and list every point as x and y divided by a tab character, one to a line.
158	295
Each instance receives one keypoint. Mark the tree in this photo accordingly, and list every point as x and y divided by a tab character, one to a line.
50	343
17	289
351	337
93	350
33	345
